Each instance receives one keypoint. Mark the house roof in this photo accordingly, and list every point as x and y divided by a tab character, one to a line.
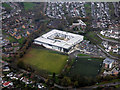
6	83
108	61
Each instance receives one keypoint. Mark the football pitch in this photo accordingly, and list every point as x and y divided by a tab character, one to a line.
86	67
43	59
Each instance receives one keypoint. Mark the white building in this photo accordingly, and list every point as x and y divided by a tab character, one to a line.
102	32
79	24
59	40
108	63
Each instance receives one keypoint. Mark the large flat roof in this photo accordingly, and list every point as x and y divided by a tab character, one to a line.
46	38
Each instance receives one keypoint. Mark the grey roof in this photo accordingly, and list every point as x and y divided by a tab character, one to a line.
46	38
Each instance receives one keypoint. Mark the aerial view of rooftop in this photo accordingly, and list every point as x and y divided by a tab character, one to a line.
59	45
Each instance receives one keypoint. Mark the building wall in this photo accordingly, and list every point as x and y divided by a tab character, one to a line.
106	65
110	65
50	46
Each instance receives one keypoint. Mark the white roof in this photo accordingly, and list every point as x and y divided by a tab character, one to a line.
108	61
80	22
60	43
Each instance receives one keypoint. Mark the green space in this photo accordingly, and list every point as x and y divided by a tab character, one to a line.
28	5
89	67
109	38
111	10
117	86
42	59
114	54
6	5
88	9
6	58
10	38
92	36
21	40
111	81
83	55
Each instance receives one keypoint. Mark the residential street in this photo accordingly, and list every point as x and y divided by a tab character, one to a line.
108	39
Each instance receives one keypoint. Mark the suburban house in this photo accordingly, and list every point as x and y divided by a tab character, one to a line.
108	63
79	24
6	84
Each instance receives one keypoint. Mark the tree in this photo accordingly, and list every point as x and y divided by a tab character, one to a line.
53	77
66	81
75	84
119	75
20	64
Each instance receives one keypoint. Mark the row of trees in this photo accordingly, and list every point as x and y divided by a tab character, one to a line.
79	81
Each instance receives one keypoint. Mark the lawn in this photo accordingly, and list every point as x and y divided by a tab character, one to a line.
47	60
92	36
88	9
83	55
111	11
114	54
28	5
109	38
21	40
6	5
86	67
11	39
111	81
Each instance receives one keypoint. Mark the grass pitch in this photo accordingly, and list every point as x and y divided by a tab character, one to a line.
47	60
86	67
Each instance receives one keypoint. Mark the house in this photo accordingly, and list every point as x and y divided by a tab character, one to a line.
10	74
115	71
102	32
23	26
26	80
15	44
115	50
108	63
105	44
8	48
18	36
14	78
28	33
5	55
15	29
6	84
6	68
79	24
40	85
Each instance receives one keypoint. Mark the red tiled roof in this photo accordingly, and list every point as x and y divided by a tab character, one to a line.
7	83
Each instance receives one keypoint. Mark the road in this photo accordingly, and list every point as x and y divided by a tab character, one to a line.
107	53
88	87
114	41
107	84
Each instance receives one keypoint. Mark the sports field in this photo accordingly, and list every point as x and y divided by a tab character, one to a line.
86	67
47	60
28	5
